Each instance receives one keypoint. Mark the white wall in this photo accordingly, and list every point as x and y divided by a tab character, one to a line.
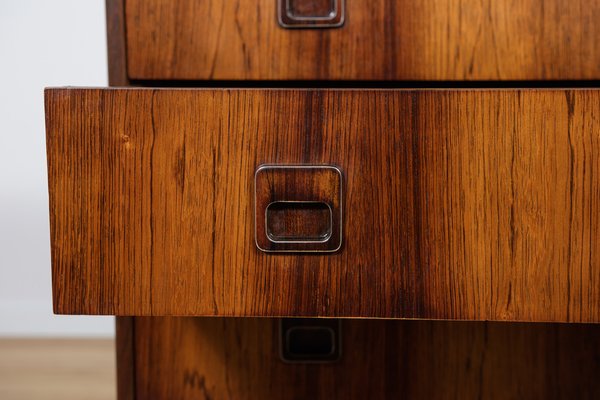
42	43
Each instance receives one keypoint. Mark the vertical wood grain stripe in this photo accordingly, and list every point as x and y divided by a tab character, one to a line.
457	204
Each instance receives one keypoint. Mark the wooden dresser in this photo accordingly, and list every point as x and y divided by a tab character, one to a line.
337	199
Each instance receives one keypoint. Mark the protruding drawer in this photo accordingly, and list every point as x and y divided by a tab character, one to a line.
457	204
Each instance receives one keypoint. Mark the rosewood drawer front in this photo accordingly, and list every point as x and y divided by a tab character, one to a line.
457	204
381	360
379	40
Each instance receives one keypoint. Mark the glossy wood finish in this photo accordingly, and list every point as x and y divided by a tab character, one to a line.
458	204
380	40
191	358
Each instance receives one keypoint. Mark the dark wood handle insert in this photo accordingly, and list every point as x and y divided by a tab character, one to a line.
310	340
311	8
298	208
298	221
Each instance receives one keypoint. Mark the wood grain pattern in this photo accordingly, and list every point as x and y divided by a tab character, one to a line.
380	40
117	76
116	40
125	349
213	358
458	204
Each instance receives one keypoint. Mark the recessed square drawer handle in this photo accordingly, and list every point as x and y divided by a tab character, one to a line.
298	208
310	340
311	13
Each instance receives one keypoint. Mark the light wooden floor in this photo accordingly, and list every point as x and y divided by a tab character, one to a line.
61	369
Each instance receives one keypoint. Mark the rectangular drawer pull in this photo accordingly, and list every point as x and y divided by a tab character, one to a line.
298	208
310	340
311	13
